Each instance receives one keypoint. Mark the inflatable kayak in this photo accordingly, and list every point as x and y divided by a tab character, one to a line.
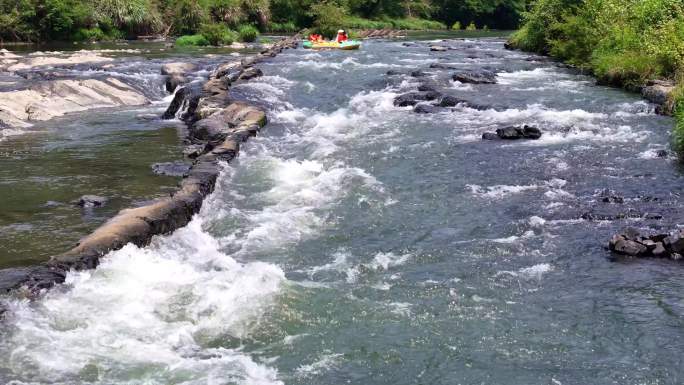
347	45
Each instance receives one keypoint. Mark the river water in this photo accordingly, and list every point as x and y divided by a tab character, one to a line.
355	242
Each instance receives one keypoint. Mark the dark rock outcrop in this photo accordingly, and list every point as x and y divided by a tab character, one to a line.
633	242
450	101
514	133
475	77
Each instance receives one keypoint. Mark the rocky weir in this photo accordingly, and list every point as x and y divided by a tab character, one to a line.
217	125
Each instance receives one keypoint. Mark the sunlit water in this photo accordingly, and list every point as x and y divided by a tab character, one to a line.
357	242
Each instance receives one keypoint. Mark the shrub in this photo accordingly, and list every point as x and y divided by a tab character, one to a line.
248	33
89	34
471	27
217	34
456	26
192	40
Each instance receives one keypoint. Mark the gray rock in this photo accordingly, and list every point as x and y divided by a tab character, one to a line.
475	77
412	98
490	136
438	48
177	68
418	74
627	247
530	132
659	251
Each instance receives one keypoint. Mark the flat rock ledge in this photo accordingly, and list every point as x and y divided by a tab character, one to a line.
634	243
217	126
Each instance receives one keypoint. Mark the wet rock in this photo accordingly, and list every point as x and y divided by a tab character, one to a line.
177	68
661	154
530	132
171	168
515	133
475	77
174	81
658	92
194	150
490	136
250	73
634	243
88	201
423	108
412	98
450	101
418	74
438	48
393	73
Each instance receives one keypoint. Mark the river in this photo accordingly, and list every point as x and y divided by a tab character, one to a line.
355	242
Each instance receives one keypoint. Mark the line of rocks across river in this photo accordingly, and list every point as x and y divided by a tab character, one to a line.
217	126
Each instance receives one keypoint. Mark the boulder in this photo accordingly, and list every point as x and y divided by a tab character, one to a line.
515	133
174	81
393	73
674	243
659	92
509	133
475	77
490	136
418	74
177	68
88	201
438	48
424	108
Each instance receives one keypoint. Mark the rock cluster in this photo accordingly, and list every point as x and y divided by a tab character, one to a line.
634	243
513	133
176	74
217	126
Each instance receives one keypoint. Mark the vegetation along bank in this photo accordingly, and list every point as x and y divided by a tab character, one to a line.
635	44
203	22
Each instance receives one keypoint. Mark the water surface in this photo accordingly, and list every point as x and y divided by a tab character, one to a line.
357	242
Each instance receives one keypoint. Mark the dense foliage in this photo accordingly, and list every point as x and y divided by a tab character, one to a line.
43	20
624	42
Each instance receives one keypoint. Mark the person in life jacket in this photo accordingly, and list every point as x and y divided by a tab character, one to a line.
315	38
341	36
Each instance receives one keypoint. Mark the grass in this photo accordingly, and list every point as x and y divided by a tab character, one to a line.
192	40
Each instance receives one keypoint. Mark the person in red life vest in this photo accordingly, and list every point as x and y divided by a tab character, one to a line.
341	36
315	38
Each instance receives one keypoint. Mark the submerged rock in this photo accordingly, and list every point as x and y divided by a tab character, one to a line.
443	66
418	74
88	201
475	77
171	168
412	98
424	108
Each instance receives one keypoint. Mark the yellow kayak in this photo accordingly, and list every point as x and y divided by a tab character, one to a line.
347	45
